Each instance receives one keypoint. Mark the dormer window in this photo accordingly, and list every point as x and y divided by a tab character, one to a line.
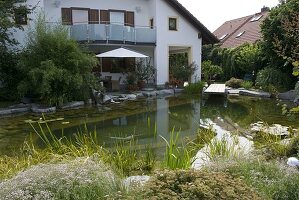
223	36
256	18
240	34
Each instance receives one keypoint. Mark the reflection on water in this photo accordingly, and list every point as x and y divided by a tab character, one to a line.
142	118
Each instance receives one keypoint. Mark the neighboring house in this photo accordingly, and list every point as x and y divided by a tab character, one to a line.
156	28
247	29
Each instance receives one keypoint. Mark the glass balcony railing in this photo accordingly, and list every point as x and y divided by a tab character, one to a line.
112	33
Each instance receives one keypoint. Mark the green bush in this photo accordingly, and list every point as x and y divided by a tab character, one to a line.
288	189
192	184
267	177
194	88
83	178
247	84
210	71
234	83
272	77
54	68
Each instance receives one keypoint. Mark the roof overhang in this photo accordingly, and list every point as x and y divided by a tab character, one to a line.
207	36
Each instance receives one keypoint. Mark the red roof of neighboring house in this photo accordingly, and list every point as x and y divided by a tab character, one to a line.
236	32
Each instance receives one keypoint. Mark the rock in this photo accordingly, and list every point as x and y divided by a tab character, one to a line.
255	93
178	90
165	92
296	100
131	97
289	95
39	109
293	162
274	129
11	111
233	91
106	98
139	94
73	104
149	93
135	181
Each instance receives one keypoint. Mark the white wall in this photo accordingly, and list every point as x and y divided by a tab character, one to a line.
186	36
141	18
20	35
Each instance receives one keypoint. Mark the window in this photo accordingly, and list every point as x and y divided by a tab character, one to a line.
240	34
117	17
256	18
173	24
21	17
223	36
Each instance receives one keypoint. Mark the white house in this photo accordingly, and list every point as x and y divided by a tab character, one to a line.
156	28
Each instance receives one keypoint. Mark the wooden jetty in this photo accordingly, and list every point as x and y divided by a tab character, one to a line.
215	89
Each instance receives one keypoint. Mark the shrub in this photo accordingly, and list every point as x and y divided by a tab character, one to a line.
247	84
79	179
288	189
210	71
265	176
272	77
234	83
54	68
194	88
192	184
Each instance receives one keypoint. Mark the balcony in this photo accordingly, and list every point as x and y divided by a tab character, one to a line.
113	33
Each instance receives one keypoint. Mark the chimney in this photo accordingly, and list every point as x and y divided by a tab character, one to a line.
265	9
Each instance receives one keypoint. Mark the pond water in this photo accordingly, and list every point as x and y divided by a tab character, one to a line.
145	117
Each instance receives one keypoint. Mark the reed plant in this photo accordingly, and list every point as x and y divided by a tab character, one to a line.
177	155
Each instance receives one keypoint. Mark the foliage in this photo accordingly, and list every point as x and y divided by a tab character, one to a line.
235	62
191	184
194	88
265	177
288	189
247	84
210	71
271	76
9	74
281	37
179	70
8	10
144	71
83	178
55	69
177	156
297	88
234	83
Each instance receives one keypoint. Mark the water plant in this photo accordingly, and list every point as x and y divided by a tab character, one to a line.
194	88
177	155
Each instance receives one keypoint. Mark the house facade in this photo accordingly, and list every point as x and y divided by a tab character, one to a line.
156	28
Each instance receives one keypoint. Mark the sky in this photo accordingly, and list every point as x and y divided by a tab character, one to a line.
213	13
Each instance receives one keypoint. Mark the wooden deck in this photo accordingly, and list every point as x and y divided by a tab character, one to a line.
215	89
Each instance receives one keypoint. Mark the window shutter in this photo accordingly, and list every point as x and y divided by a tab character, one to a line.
105	19
66	16
93	17
129	19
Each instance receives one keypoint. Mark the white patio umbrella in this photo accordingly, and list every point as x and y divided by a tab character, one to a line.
121	53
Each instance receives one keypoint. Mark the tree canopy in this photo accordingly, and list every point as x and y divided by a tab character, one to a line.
8	10
281	36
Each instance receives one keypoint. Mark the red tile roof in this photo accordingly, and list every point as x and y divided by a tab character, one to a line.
251	29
